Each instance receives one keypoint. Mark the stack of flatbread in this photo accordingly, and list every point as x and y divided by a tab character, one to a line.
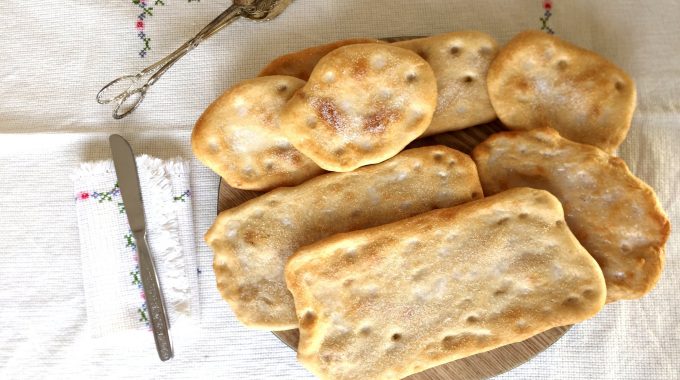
392	261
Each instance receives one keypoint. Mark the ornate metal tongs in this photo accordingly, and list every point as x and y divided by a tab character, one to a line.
129	90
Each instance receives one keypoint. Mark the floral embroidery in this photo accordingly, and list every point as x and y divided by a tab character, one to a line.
182	197
129	238
547	5
107	196
147	11
100	197
142	315
136	279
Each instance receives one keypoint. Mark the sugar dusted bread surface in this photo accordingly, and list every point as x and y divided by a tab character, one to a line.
238	136
386	302
539	80
362	104
615	215
460	61
252	242
300	64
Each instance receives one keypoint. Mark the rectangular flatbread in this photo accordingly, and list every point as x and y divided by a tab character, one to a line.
253	241
386	302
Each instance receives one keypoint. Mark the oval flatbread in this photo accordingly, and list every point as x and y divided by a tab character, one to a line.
238	136
389	301
362	105
538	80
460	61
615	215
300	64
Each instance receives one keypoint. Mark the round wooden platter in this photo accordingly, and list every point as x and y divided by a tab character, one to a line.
480	366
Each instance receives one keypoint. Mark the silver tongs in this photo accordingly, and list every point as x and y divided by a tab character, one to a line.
129	90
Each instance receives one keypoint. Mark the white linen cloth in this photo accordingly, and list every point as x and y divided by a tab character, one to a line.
114	297
56	55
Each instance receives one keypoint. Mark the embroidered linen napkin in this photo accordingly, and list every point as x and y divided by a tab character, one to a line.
114	296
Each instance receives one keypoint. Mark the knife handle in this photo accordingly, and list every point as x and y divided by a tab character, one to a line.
154	299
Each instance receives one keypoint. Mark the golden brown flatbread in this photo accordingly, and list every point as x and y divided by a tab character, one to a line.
362	104
539	80
460	61
253	241
301	63
389	301
615	215
238	136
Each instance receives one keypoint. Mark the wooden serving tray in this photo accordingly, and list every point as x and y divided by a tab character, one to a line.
480	366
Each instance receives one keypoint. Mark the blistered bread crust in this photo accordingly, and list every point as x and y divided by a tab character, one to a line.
300	64
253	241
460	61
539	80
389	301
239	137
362	104
616	216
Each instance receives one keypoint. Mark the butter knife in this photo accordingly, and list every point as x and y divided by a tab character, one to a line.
128	182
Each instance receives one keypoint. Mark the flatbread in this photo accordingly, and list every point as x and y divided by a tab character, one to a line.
460	61
362	105
390	301
238	136
301	63
538	80
615	215
253	241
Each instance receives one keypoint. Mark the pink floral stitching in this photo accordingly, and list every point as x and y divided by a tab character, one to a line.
147	11
547	5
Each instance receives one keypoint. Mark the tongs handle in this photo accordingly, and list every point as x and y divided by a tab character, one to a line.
137	85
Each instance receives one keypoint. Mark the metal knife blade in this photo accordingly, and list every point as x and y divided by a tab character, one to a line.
128	182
